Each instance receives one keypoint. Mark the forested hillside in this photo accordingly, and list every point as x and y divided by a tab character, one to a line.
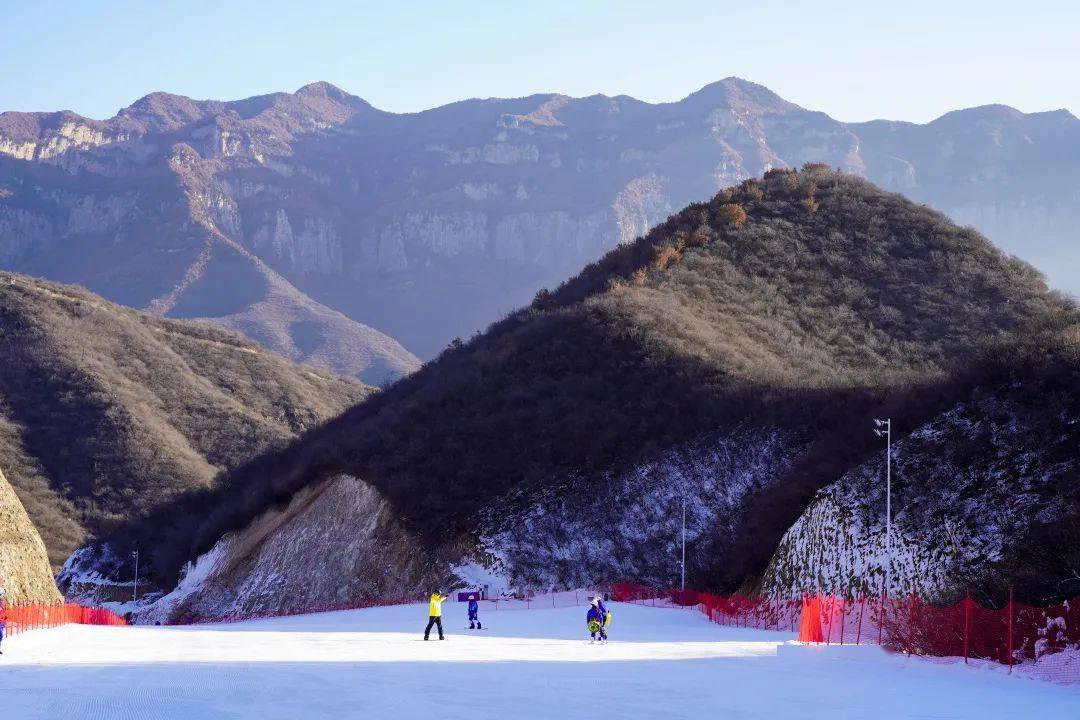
107	414
745	340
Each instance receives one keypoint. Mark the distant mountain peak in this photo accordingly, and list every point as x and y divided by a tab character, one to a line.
165	111
734	92
982	112
159	98
323	89
997	114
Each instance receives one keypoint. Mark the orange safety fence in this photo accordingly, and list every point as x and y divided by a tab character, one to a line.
1013	635
36	616
1045	640
733	610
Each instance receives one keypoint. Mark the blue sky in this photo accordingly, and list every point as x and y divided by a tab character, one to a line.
853	60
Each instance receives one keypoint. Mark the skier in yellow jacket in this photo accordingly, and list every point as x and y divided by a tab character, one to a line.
435	614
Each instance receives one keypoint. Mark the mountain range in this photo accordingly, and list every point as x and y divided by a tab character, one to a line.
361	240
730	360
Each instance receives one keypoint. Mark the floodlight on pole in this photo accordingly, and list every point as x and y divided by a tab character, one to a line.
884	429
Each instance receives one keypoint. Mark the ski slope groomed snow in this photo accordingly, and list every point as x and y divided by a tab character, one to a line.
662	663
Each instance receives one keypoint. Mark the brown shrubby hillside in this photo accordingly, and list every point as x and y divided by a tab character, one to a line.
804	300
107	414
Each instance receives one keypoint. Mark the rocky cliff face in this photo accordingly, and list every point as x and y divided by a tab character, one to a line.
431	225
25	573
295	559
134	209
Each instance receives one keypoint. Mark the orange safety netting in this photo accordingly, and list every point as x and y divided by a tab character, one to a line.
735	610
36	616
1014	634
1009	635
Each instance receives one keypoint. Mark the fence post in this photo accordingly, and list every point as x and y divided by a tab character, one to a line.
862	607
1012	607
967	624
911	624
881	611
828	619
843	614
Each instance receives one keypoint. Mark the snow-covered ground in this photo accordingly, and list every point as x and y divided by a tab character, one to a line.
537	663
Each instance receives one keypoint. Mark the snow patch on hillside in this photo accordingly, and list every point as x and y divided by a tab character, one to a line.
965	486
195	576
629	525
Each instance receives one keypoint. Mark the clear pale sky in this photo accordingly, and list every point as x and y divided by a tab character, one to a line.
912	60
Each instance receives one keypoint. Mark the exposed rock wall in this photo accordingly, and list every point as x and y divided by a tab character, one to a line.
334	544
25	573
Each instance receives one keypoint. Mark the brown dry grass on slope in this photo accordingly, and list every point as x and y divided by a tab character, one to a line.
107	413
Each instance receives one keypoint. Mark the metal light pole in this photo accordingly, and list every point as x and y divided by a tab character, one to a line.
684	542
135	592
884	429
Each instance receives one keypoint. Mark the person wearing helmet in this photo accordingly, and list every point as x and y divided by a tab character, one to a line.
435	614
3	619
597	619
474	614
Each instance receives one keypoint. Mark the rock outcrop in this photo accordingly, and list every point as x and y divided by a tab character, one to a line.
25	573
334	545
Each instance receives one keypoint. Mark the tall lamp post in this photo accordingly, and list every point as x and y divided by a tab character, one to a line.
135	592
683	563
884	429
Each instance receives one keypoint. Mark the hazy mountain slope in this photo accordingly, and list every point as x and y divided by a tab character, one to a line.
718	356
983	496
123	208
25	574
1010	174
431	225
107	414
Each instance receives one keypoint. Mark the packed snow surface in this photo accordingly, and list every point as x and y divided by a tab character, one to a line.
526	663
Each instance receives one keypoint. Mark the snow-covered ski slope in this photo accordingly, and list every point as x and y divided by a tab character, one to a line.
661	663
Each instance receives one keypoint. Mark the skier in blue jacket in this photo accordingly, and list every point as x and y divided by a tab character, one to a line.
597	619
3	618
474	614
